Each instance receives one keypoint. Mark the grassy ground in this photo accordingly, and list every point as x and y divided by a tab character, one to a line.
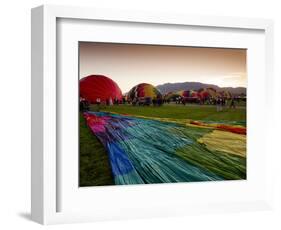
94	163
195	112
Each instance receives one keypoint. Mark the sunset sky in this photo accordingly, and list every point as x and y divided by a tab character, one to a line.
129	65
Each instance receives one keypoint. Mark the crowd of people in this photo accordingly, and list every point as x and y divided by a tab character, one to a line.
219	102
146	101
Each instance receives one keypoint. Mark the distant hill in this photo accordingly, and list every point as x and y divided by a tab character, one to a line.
173	87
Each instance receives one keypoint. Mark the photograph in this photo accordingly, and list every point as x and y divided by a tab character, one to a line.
151	114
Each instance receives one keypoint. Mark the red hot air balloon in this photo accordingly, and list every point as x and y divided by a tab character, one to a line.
95	87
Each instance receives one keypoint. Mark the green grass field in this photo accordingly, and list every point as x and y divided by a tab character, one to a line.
94	164
194	112
93	160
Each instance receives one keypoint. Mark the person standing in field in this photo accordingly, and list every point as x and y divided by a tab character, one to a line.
219	104
84	105
98	103
232	104
110	101
223	101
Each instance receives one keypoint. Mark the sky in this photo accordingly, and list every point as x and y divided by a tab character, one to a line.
131	64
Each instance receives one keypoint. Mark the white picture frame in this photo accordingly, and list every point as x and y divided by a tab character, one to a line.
46	179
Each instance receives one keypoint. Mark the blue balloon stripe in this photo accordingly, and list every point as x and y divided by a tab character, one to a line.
144	151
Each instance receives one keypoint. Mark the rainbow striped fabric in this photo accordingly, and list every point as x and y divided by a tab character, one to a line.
144	150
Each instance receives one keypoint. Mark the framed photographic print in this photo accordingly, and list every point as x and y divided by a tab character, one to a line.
139	114
156	131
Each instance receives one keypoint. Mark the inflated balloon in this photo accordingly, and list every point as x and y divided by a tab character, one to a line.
188	93
171	95
95	87
207	93
144	90
225	94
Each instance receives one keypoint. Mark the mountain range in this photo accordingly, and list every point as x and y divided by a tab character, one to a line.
173	87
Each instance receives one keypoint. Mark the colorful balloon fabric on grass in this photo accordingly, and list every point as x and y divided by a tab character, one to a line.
144	150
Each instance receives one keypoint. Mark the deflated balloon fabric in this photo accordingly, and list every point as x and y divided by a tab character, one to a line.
151	151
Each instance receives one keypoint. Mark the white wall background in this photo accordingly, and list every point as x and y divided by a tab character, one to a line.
15	113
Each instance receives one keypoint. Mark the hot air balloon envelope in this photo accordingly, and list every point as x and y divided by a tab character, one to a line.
144	90
98	86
